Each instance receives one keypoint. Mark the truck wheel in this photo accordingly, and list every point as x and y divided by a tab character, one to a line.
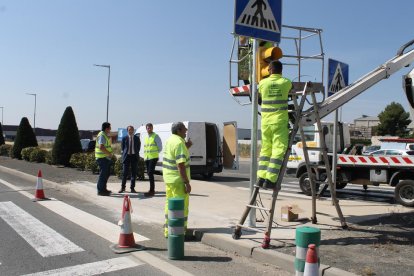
207	175
404	193
304	184
340	185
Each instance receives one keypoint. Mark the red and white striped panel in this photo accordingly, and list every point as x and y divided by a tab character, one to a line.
245	89
381	160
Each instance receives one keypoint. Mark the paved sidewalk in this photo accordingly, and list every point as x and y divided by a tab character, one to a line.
215	209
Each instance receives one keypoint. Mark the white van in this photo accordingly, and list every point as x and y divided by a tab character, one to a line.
210	152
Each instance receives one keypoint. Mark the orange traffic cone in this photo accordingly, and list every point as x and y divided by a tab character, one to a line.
39	194
126	241
311	264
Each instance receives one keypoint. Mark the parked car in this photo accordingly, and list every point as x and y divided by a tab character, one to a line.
88	145
392	152
368	149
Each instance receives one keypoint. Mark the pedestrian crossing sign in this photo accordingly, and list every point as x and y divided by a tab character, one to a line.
261	19
338	76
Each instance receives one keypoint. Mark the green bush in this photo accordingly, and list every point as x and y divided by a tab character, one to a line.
118	168
48	157
67	139
38	155
2	142
140	169
91	164
5	150
25	137
78	160
114	159
26	153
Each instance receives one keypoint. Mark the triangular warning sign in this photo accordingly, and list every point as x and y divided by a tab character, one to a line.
338	81
258	14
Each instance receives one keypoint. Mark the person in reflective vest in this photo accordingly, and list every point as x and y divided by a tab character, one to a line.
152	147
103	156
176	170
273	97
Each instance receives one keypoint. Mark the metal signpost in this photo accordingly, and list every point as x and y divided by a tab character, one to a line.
259	19
338	78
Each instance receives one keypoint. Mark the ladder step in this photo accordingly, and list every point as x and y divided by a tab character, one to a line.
258	207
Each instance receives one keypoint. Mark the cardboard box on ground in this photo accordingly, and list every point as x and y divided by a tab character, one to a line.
290	212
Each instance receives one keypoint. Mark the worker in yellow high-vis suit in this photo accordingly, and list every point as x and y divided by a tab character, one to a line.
176	170
273	97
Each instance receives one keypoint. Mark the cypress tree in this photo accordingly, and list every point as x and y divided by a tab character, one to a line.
25	137
1	135
67	139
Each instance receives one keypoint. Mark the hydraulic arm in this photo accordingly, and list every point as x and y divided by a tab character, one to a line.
346	94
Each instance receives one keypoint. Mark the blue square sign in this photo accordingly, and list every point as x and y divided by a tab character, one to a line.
338	76
261	19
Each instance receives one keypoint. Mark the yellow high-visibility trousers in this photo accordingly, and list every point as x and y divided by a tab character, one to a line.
274	145
176	190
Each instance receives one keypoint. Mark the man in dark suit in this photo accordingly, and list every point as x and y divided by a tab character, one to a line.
130	146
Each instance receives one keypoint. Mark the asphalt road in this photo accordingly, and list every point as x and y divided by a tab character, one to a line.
37	238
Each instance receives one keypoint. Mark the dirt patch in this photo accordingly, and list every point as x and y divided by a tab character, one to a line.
381	246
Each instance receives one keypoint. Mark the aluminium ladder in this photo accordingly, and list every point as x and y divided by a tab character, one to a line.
313	171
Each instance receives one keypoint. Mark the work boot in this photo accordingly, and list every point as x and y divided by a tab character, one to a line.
133	191
121	191
260	182
269	184
149	194
104	193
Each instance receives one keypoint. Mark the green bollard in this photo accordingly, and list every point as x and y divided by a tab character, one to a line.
176	228
304	236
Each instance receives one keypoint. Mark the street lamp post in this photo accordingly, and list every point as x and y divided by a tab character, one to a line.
34	117
109	77
2	107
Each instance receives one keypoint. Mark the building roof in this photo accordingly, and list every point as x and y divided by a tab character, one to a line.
367	118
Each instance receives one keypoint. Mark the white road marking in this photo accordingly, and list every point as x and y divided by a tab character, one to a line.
95	268
106	230
160	264
98	226
46	241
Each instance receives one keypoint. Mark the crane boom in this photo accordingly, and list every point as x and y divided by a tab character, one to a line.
349	92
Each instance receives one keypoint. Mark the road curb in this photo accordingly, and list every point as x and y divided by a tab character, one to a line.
281	260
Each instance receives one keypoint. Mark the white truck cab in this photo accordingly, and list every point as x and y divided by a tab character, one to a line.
296	162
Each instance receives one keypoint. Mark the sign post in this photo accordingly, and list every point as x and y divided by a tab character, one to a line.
338	78
259	19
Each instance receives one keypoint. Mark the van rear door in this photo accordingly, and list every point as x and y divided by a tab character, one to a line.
230	146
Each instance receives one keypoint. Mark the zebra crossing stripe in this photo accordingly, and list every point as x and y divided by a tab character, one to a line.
98	226
95	268
46	241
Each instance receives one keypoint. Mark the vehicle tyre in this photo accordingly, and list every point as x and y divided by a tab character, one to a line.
341	185
304	184
236	234
207	175
404	193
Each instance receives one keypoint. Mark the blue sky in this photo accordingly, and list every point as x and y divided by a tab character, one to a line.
169	59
